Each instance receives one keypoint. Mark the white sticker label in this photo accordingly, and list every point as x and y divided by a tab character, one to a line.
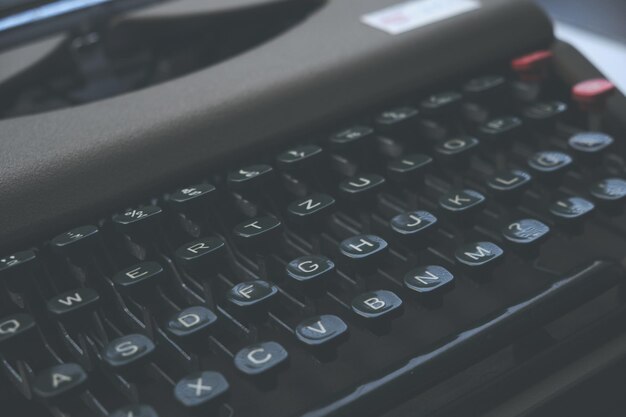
416	13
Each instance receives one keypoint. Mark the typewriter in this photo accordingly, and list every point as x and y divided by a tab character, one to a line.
307	208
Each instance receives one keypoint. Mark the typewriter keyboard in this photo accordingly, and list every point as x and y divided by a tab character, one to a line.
333	274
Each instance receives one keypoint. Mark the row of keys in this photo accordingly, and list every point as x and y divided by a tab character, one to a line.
229	270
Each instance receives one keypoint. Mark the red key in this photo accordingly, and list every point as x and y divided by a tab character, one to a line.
591	94
532	66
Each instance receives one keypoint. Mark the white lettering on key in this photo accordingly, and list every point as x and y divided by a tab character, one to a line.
416	219
10	326
199	387
254	225
248	174
136	273
454	144
197	247
480	253
192	192
318	327
58	379
364	182
246	291
458	200
302	266
189	320
309	204
10	261
374	303
71	299
360	245
127	349
507	182
252	356
424	279
547	160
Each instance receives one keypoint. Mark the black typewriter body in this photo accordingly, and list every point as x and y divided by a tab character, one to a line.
333	221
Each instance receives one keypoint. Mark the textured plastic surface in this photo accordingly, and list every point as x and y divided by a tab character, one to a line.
71	165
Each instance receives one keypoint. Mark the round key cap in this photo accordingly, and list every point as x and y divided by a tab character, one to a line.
363	251
259	231
59	381
311	209
299	158
477	258
525	231
501	130
201	390
398	121
508	185
128	351
139	276
430	279
310	272
252	299
590	142
409	169
441	104
570	213
201	255
455	152
461	205
75	241
550	165
377	305
609	189
377	309
16	328
192	197
361	188
261	358
351	137
75	304
571	208
324	330
525	235
191	322
545	113
413	226
18	265
485	88
143	218
249	177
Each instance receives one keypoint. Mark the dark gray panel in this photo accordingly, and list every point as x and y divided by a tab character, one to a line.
64	167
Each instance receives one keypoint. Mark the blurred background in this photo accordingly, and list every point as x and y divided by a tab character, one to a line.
60	53
597	28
